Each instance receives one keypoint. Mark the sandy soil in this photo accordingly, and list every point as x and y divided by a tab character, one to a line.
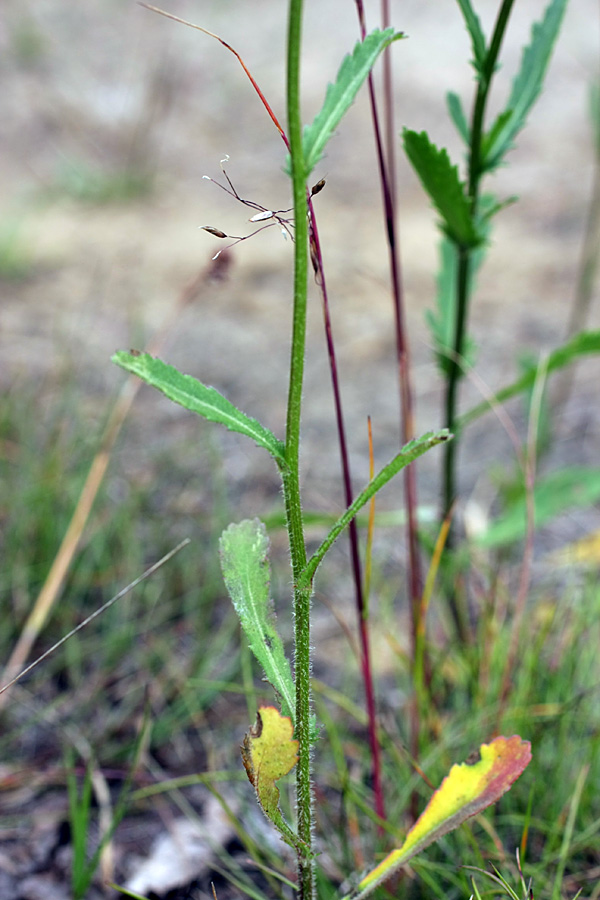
104	87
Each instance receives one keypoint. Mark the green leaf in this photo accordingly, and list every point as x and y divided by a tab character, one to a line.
340	95
582	344
408	454
245	566
526	87
457	114
440	179
197	397
442	322
576	486
475	31
594	106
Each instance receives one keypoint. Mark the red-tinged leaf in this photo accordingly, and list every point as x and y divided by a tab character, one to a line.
467	790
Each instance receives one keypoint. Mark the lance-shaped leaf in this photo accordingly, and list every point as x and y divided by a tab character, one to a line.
457	114
467	790
245	565
442	322
526	86
446	191
408	454
476	33
574	487
197	397
340	95
582	344
269	752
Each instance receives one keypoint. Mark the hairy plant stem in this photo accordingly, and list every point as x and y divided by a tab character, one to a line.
465	255
291	478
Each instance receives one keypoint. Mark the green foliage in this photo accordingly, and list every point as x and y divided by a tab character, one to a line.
457	114
568	488
246	572
587	342
526	87
553	690
411	451
80	804
444	187
442	322
84	864
340	95
476	34
197	397
16	259
89	185
594	103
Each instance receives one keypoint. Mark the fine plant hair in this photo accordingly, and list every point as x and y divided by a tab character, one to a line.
280	740
476	689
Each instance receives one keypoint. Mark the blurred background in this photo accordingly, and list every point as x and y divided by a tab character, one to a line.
110	117
112	114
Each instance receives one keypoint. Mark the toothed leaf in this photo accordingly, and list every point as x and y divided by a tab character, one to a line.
526	87
340	95
197	397
446	191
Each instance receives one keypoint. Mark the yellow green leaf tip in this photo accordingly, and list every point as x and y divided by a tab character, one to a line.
468	789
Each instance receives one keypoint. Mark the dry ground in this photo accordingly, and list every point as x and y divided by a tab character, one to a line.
96	89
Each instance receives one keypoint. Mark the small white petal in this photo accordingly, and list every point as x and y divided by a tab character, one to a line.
261	216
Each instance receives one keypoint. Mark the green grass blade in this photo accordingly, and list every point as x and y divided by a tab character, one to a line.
340	95
586	342
441	181
594	106
526	87
475	32
575	486
408	454
457	114
197	397
245	564
568	833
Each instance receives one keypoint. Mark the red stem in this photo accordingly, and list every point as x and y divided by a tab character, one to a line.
317	260
363	621
387	177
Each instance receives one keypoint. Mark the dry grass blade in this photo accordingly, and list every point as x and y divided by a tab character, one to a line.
98	612
64	557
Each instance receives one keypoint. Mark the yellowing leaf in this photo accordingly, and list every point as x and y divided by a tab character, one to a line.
585	551
269	752
467	790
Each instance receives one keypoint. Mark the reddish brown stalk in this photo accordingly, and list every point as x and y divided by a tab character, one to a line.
388	105
363	620
317	260
227	46
387	179
402	349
